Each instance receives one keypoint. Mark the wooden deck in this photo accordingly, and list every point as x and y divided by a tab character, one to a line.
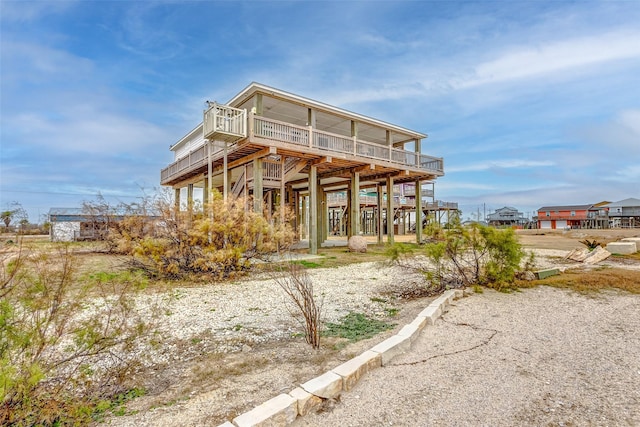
335	155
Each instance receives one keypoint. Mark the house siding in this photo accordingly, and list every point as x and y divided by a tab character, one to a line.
64	231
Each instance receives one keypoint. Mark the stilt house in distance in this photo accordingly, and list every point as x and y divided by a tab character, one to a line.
280	149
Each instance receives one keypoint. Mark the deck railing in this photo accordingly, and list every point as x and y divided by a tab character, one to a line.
194	159
224	122
285	132
267	129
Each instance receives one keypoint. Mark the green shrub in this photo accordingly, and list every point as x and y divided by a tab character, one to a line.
464	256
60	339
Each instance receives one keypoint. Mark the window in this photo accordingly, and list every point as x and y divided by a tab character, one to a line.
547	213
573	213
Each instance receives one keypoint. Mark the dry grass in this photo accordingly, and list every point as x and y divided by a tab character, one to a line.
592	280
340	256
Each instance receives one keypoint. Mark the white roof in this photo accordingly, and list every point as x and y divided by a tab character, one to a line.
624	203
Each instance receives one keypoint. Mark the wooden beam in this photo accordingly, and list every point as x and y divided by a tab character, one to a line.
325	159
343	172
248	159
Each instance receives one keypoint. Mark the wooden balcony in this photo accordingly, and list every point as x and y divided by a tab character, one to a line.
295	141
224	123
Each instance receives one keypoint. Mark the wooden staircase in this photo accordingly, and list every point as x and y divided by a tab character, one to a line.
272	175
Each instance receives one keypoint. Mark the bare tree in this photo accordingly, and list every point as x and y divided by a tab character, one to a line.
304	306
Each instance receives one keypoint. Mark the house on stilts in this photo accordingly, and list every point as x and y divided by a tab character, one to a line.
339	171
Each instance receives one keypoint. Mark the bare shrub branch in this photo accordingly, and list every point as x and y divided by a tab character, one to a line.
62	338
303	304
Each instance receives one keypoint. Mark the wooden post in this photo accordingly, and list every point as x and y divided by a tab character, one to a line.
209	185
390	238
205	192
176	202
347	212
379	212
418	196
257	186
283	190
311	123
354	212
354	136
313	210
225	174
304	223
190	202
257	104
321	216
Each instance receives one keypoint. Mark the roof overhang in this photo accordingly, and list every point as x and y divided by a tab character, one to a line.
254	88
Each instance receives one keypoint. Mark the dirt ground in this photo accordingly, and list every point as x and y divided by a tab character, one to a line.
570	239
208	389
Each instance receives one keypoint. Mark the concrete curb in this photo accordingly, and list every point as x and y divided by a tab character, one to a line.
283	409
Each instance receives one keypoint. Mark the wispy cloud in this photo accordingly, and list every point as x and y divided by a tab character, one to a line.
526	62
28	11
525	101
502	164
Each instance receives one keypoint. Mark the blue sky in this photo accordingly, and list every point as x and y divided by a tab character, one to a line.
530	103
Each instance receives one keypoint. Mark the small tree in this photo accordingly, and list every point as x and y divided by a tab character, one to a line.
465	256
14	213
61	342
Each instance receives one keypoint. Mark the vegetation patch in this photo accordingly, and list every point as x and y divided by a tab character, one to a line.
308	264
356	327
592	280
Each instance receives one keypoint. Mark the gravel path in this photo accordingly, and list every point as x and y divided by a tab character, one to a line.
542	356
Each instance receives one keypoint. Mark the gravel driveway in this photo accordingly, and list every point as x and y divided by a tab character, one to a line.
542	356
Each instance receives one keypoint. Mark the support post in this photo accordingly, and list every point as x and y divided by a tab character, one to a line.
390	238
257	186
304	223
354	213
209	184
321	216
313	210
225	174
283	189
190	202
205	192
379	213
176	202
418	196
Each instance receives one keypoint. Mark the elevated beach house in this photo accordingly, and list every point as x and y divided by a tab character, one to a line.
280	150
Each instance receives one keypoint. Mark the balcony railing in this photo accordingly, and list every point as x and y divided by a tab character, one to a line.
272	130
306	136
224	123
194	159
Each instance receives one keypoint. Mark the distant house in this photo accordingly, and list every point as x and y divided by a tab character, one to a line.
625	213
74	224
506	216
572	216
